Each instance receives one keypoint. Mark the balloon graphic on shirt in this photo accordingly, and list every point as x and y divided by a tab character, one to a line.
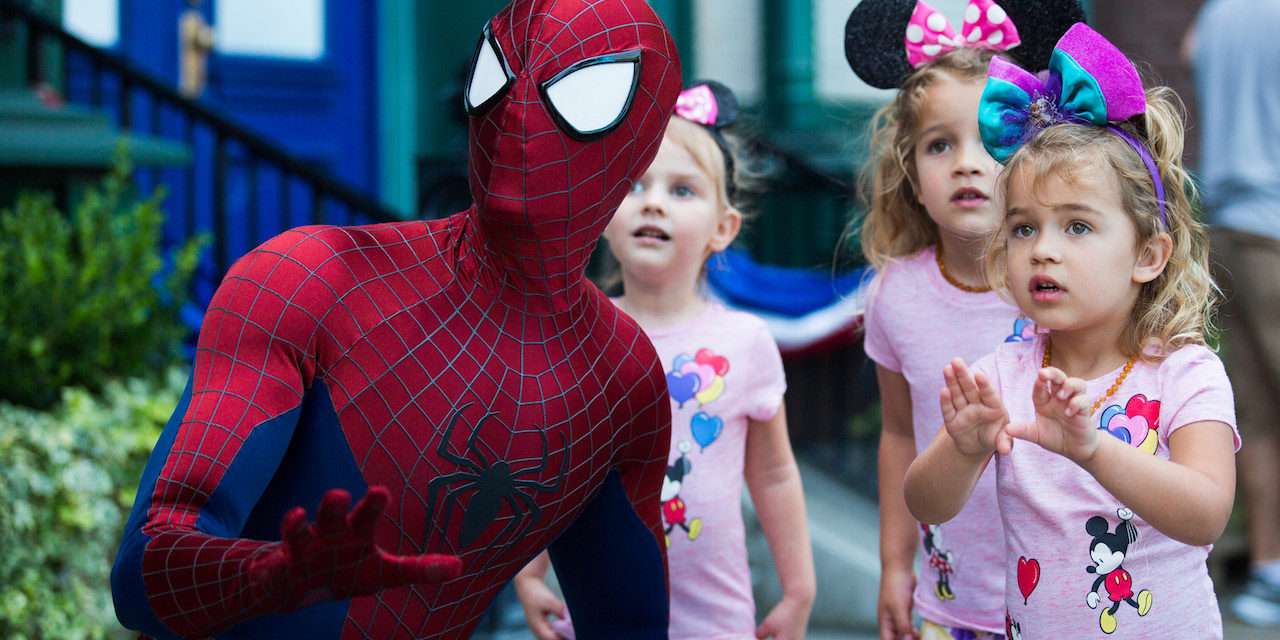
711	371
682	387
706	375
719	363
1028	576
706	429
708	395
698	376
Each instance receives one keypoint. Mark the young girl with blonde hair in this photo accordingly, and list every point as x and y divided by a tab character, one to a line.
726	383
931	206
1112	433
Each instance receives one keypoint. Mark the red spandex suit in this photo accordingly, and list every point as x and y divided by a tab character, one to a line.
459	378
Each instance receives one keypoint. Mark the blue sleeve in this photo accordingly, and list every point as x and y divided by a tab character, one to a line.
288	461
611	570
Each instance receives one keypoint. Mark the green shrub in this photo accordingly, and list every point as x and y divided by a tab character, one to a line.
87	296
66	486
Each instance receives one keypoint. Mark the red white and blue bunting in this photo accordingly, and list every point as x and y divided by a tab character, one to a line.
807	310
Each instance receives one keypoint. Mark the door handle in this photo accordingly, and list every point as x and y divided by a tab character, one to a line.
195	41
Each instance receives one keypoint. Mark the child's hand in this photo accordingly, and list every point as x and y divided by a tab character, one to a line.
1062	417
539	604
973	413
894	609
787	621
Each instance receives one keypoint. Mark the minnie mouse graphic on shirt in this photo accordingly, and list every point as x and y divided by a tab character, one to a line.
1012	628
940	559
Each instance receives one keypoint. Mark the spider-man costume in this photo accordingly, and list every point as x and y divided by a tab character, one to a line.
464	364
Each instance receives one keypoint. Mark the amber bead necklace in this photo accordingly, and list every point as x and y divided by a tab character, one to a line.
1115	386
951	280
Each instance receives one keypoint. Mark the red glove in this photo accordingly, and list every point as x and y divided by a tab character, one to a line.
336	558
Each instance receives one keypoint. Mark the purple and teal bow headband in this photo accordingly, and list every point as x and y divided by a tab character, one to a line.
1089	81
712	105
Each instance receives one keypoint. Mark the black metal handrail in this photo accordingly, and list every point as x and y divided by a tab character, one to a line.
257	150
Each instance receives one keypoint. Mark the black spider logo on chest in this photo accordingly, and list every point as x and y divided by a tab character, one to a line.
492	482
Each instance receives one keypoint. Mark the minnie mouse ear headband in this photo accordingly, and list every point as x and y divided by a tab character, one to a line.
712	105
1089	81
885	40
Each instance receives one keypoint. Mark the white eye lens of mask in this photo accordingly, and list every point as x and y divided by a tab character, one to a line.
591	97
489	75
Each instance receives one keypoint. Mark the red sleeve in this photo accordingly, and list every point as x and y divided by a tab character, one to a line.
182	567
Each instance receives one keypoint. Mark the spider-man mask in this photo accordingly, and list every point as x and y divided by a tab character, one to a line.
567	101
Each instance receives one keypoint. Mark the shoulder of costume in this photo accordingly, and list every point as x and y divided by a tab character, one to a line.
315	254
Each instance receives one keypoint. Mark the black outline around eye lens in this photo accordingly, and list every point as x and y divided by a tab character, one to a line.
472	110
632	56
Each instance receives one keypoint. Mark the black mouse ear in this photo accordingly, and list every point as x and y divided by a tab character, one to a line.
1096	526
1040	24
726	103
874	41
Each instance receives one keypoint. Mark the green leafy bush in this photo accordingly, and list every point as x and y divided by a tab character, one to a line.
67	483
87	296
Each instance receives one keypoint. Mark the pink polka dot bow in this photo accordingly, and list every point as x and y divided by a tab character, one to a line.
698	104
986	25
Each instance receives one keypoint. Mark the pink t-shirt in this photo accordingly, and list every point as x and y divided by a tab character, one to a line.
916	322
1078	562
723	369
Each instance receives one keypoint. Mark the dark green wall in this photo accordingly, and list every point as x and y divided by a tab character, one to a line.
447	36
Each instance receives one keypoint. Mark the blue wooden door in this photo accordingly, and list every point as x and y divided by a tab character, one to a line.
299	73
302	73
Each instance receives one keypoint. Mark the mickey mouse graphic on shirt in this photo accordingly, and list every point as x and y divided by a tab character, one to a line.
1108	549
673	507
940	559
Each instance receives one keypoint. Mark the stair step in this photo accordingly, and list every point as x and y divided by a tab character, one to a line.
34	134
23	105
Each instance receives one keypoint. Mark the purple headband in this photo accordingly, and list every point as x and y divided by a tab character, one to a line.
1151	168
1089	81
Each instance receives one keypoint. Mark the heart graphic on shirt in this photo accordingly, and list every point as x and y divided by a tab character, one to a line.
1028	576
706	429
1139	405
1024	330
719	363
682	386
709	394
705	372
1128	429
1136	424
